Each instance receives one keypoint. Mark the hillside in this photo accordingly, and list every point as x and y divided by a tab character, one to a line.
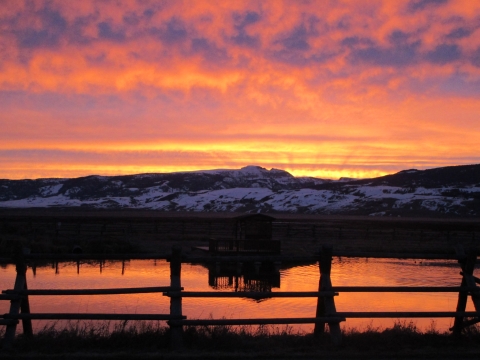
448	191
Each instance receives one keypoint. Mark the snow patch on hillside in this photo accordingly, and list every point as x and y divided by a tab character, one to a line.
50	190
249	189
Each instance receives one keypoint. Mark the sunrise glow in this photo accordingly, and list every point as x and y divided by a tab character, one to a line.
317	88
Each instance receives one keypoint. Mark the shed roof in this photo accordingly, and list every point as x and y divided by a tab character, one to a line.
255	217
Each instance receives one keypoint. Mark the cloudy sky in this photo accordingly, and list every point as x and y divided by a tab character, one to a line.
319	88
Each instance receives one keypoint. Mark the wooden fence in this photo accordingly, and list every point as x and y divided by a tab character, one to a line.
326	312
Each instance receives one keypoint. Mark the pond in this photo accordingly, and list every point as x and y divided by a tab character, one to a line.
345	272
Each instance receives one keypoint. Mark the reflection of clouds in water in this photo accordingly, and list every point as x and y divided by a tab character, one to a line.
390	272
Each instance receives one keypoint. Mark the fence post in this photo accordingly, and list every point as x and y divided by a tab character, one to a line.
176	301
326	305
21	304
320	327
467	263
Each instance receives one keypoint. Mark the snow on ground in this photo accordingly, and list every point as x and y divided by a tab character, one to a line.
224	199
383	191
257	197
471	189
50	190
434	204
399	193
36	201
72	191
292	200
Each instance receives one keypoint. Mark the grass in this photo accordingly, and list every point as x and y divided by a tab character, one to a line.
152	339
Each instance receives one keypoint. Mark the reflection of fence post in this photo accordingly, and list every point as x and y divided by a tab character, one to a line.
326	305
19	304
176	301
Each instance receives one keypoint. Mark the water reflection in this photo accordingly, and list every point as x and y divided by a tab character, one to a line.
345	272
240	277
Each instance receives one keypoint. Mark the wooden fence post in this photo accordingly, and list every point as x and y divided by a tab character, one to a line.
320	327
462	295
326	305
21	304
467	264
176	301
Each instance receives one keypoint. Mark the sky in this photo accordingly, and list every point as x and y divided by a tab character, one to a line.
318	88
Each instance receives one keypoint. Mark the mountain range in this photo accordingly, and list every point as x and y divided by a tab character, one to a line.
448	191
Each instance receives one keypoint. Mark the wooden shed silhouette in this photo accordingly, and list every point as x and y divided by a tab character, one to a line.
253	234
253	227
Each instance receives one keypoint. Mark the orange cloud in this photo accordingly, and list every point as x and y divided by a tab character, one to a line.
343	88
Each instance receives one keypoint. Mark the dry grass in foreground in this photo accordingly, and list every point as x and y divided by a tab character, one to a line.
151	340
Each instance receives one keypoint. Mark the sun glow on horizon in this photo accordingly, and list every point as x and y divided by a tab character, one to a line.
81	170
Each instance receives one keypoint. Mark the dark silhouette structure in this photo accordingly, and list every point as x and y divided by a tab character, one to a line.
253	234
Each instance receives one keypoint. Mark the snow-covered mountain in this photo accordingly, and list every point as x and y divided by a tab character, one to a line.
451	191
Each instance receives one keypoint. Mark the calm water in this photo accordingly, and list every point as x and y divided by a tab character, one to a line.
138	273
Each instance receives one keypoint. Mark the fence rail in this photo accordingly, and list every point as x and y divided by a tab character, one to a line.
325	312
250	294
267	321
115	291
92	316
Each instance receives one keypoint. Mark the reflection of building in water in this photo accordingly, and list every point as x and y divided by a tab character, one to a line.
244	277
244	283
